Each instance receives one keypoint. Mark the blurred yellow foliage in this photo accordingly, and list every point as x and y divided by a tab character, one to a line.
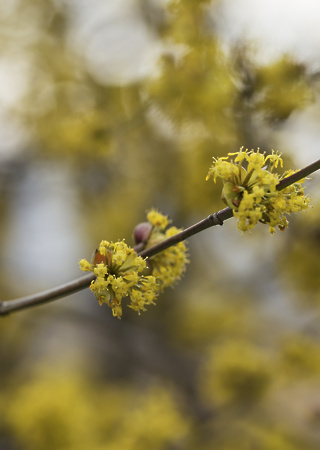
235	372
218	339
300	357
282	88
60	409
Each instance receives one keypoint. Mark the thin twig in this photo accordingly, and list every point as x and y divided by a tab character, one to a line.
81	283
214	219
285	182
46	296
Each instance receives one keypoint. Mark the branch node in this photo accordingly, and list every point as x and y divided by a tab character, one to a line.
215	219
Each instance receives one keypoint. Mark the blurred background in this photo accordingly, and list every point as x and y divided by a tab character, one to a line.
109	108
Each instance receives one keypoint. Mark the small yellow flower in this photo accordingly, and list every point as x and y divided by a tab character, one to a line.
100	270
275	159
85	265
255	161
157	219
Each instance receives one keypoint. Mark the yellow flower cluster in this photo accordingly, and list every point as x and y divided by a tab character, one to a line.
120	273
170	264
157	220
251	190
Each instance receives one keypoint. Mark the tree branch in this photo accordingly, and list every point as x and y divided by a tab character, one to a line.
81	283
285	182
46	296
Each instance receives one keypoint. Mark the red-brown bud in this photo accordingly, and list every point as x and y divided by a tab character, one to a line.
142	232
97	258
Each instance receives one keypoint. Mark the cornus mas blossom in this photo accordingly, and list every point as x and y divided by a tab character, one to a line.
121	273
250	189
